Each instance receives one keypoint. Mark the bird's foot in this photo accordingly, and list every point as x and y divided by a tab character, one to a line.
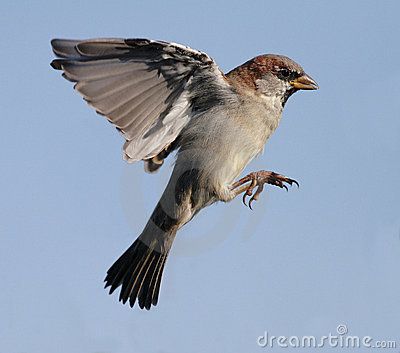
258	179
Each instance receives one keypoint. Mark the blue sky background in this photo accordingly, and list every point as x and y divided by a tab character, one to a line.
301	263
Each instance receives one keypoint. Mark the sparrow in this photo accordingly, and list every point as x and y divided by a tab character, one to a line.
165	97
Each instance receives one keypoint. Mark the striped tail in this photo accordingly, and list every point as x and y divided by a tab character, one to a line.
139	271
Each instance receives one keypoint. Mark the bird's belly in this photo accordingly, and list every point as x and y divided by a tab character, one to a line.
233	164
228	160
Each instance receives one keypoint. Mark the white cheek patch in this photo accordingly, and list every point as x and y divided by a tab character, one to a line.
272	86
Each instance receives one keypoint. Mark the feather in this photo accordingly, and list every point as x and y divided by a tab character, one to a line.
143	87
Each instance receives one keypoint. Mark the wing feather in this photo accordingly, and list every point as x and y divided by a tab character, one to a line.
96	89
145	88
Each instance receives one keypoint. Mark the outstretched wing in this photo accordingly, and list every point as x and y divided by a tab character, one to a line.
144	87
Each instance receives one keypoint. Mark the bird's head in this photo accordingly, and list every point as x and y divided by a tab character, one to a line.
272	75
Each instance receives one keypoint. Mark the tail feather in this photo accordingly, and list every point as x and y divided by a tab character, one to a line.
130	289
146	298
139	272
152	296
117	271
158	281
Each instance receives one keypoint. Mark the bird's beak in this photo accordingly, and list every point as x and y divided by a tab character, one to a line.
304	82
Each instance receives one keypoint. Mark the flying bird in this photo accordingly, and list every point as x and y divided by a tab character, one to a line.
166	97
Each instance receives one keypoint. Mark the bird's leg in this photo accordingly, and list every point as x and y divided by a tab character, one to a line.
258	179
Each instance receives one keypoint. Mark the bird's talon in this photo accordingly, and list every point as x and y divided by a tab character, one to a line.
259	179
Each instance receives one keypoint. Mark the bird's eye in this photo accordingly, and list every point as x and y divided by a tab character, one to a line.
284	72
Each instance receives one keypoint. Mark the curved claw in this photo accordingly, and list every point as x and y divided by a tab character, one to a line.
250	202
284	186
291	182
244	198
256	195
248	192
253	198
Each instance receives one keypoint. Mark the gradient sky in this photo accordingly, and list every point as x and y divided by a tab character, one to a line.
301	263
